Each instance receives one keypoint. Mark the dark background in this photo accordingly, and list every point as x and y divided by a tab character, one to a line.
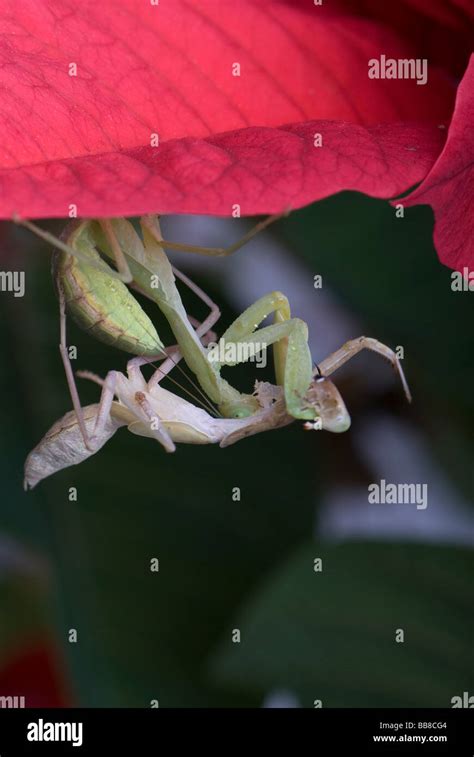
249	564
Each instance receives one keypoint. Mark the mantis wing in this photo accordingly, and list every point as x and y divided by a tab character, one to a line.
153	274
63	444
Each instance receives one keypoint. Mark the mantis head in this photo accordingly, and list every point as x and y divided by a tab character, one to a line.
331	412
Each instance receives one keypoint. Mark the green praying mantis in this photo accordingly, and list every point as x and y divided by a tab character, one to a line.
97	297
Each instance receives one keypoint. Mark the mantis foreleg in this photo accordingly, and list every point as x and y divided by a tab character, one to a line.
293	362
248	321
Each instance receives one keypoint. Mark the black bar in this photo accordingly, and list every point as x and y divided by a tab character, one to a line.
298	731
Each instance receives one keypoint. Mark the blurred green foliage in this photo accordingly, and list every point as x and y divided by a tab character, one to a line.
303	627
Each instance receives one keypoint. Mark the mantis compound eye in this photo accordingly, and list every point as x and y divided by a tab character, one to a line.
336	420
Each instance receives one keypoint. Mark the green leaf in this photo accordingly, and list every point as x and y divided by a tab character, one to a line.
331	635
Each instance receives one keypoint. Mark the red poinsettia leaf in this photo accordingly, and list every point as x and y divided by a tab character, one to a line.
142	71
260	169
449	186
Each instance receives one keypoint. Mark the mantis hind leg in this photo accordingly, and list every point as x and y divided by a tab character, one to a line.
107	398
108	385
59	244
222	251
76	402
214	311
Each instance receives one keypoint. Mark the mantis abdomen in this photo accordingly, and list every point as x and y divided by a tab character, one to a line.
99	303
